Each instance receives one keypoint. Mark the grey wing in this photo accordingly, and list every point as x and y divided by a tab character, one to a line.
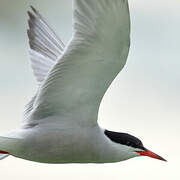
45	48
97	52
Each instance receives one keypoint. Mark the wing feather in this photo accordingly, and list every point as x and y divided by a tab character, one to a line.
45	48
95	55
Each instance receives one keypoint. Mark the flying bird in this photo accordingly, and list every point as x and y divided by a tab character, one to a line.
60	122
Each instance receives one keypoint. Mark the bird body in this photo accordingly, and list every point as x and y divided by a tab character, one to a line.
53	144
60	122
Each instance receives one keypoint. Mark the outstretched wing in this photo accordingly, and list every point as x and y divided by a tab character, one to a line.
95	55
45	48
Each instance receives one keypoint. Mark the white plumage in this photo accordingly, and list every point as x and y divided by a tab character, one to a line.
95	55
60	121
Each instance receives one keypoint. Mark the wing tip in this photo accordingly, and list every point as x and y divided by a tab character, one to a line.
32	7
33	13
32	17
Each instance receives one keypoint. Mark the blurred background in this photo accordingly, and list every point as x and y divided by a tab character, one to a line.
144	100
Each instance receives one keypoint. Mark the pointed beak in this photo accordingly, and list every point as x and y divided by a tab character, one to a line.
149	153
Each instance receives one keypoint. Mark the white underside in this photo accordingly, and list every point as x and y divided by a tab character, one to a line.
49	143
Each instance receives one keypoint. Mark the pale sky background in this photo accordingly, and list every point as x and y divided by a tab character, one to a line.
144	100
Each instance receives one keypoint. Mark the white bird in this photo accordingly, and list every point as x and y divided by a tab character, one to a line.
60	122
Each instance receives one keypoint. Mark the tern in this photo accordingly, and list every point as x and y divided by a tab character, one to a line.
60	122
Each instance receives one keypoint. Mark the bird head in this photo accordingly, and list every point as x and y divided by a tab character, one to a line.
132	144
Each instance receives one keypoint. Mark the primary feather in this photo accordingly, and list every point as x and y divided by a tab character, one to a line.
45	48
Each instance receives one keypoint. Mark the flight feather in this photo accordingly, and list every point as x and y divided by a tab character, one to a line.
95	55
